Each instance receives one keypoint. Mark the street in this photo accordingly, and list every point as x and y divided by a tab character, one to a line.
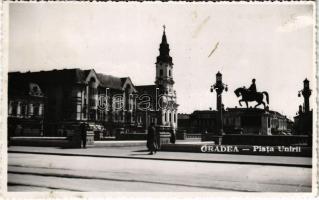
32	172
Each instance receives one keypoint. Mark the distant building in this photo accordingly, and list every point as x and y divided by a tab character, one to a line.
238	121
183	121
255	121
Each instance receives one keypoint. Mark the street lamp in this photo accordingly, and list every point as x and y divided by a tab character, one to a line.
306	92
219	87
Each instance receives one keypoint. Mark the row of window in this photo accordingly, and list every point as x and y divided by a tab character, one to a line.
20	109
276	123
170	117
101	115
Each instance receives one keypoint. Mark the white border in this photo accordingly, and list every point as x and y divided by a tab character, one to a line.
146	195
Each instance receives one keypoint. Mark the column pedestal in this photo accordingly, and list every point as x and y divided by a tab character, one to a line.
163	134
89	138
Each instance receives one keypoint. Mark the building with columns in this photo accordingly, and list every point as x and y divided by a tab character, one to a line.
163	105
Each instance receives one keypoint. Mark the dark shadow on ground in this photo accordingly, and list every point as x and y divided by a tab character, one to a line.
140	154
143	150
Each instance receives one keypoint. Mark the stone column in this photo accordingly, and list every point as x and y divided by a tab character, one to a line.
172	118
163	117
176	115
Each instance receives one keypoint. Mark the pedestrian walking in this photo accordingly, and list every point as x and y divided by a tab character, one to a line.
151	139
173	136
83	135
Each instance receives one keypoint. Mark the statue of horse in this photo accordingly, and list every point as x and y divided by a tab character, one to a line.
249	96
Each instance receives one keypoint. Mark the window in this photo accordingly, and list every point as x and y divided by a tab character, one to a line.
23	109
10	108
175	118
169	73
36	109
84	112
14	109
170	118
161	72
268	122
165	117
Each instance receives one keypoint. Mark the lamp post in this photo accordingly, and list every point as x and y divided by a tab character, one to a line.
219	87
306	92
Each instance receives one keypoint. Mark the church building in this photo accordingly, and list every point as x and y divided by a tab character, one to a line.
162	96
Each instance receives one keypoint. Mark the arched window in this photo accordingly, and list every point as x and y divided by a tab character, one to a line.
14	108
23	109
36	108
10	108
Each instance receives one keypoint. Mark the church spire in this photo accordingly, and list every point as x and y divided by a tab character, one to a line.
164	56
164	40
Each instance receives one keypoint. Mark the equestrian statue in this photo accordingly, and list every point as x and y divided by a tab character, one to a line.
251	94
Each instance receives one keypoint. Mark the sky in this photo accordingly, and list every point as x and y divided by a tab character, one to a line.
272	43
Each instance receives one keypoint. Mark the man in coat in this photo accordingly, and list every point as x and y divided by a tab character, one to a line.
83	134
252	87
152	139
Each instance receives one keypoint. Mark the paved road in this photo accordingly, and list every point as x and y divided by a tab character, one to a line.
139	152
32	172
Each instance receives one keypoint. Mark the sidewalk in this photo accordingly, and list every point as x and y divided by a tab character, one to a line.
140	152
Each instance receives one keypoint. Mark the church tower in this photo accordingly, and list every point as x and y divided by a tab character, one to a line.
164	82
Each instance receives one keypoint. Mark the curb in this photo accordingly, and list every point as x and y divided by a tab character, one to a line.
166	159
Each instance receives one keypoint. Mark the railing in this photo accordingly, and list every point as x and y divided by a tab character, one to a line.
192	135
266	139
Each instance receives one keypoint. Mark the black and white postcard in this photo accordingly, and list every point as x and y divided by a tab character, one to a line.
197	99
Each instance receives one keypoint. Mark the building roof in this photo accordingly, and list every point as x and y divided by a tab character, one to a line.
48	77
110	81
183	116
146	89
164	51
66	76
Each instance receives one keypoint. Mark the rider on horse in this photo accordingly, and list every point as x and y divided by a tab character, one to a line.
252	87
251	94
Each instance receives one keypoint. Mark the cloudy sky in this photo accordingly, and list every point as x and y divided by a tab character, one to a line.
272	43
